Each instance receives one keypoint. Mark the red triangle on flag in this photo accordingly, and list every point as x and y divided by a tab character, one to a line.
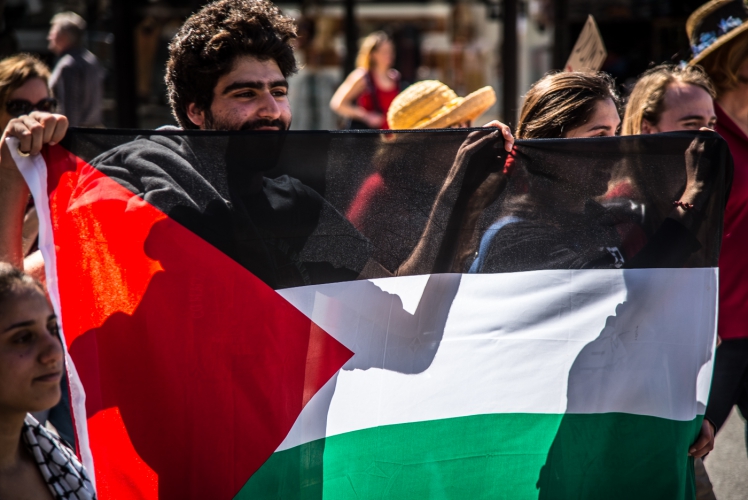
205	367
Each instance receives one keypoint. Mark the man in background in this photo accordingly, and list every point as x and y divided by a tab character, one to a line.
77	79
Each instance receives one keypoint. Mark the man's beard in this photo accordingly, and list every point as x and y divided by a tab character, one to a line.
212	123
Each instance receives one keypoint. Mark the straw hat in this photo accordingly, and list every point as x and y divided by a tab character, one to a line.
714	24
431	104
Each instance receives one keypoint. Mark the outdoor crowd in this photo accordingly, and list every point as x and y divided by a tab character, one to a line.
228	70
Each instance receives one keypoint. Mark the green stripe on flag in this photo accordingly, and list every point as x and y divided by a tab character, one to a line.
609	456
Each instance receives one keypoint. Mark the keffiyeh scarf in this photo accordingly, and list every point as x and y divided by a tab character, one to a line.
63	473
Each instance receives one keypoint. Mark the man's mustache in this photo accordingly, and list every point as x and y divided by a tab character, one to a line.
263	122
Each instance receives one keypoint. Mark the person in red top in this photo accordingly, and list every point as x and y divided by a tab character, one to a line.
719	37
429	104
365	96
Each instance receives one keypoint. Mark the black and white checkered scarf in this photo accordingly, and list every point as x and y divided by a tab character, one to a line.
63	473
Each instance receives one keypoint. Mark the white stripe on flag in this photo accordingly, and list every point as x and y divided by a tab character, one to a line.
582	341
34	171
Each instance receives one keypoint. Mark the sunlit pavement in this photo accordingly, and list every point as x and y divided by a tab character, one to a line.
727	465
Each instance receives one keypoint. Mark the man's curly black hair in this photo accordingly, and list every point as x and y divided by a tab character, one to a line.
207	44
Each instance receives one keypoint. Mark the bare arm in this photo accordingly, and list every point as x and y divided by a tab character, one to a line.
475	173
342	101
14	195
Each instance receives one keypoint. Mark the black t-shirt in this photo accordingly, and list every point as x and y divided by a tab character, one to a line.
282	231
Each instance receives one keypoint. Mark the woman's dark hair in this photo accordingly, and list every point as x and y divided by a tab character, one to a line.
560	102
207	44
12	278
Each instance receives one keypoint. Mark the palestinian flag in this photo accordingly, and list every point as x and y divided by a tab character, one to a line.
364	315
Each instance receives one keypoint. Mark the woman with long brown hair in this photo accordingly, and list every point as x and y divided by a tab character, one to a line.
568	105
559	105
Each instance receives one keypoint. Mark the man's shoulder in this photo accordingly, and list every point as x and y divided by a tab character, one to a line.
151	163
159	151
89	57
164	170
76	59
65	61
63	66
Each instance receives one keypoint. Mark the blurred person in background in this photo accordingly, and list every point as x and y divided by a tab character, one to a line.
670	98
429	104
33	462
718	31
77	79
366	94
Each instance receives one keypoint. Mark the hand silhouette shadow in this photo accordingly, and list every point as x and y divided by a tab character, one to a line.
633	397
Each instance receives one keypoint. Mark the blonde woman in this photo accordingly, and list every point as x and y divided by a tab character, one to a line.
366	94
668	99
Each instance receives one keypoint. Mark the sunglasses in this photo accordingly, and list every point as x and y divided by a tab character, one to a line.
18	107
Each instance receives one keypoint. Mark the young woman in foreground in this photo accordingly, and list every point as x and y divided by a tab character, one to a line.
33	463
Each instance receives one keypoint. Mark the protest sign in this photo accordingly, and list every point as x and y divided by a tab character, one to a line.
369	315
589	52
